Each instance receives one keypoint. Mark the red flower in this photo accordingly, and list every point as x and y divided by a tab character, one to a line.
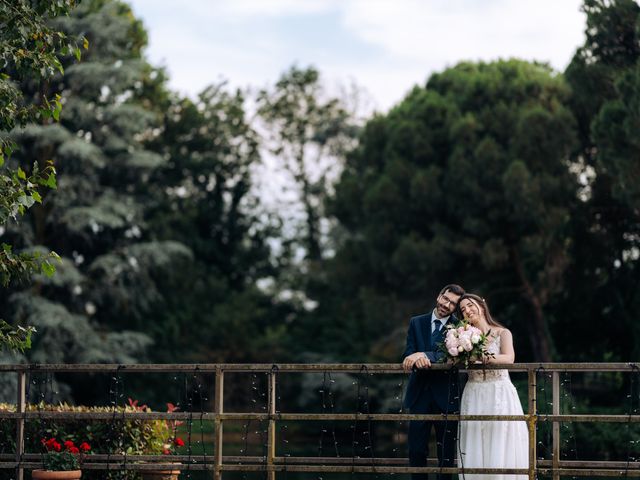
50	443
179	442
166	451
68	445
74	450
56	446
85	447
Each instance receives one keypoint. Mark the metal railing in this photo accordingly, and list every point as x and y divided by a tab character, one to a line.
272	463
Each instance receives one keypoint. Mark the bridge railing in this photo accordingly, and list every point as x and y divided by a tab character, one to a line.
273	463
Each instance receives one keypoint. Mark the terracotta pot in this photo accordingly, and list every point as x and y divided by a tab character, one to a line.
160	474
56	474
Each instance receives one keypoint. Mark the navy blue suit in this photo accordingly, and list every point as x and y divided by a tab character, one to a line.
430	392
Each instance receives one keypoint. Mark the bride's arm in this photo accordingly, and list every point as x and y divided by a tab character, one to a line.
507	354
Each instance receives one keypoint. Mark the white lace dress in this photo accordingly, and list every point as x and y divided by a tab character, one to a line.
492	444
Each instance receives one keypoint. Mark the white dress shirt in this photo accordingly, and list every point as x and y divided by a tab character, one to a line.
442	320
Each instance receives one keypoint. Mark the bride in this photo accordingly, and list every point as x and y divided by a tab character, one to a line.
491	444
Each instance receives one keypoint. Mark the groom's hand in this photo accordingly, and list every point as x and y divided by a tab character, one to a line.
423	361
418	359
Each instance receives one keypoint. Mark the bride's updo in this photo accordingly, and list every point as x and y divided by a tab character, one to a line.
483	305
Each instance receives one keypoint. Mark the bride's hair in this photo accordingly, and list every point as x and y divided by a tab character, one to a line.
485	308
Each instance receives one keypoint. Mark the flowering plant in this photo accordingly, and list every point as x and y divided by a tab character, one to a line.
464	344
162	438
63	456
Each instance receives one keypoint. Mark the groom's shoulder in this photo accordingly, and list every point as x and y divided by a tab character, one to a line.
420	317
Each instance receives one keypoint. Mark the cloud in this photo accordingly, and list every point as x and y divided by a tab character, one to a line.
440	32
386	46
277	8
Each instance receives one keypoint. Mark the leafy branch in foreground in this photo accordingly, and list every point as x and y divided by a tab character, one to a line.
31	49
18	338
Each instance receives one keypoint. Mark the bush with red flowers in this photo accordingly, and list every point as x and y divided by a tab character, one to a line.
161	435
63	456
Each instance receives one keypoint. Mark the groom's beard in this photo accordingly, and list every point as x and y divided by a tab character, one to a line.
442	311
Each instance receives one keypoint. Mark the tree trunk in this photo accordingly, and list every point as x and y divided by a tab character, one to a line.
536	327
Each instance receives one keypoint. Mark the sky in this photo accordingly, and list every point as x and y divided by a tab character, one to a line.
385	47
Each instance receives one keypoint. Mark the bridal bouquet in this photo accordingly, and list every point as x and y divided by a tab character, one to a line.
464	344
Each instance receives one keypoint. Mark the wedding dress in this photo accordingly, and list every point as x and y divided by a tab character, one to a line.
492	444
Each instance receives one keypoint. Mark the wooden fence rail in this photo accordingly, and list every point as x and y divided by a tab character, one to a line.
272	463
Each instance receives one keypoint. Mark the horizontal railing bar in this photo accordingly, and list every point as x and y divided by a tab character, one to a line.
335	468
208	459
572	472
295	367
118	415
611	464
291	468
370	469
211	416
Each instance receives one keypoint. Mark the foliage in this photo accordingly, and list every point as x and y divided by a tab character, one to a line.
309	133
162	438
95	217
465	180
29	51
118	436
16	339
603	76
205	200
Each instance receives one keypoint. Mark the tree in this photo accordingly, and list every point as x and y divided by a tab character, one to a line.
205	201
308	133
603	76
112	270
465	180
29	50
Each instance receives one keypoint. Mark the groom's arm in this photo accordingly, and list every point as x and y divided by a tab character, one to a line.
411	346
412	357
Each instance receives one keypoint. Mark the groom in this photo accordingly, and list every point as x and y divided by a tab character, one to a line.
428	391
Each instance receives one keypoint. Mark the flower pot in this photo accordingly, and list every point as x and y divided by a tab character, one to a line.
160	474
56	474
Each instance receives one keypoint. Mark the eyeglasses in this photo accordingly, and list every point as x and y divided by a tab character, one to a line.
446	300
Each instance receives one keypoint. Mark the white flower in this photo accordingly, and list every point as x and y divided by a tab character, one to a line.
461	348
475	338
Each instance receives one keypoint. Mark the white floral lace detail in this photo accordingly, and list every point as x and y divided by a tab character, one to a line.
490	375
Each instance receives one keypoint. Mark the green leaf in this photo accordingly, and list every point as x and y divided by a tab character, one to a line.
76	53
51	181
26	200
36	196
56	111
48	269
85	44
21	174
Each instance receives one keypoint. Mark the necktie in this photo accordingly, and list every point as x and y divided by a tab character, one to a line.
436	336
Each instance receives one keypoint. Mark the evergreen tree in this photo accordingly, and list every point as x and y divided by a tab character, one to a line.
603	76
29	49
465	181
111	269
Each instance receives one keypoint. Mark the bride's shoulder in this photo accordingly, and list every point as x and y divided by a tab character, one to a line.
501	332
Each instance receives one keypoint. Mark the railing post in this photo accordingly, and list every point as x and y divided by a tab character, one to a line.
218	405
271	433
20	408
555	452
532	421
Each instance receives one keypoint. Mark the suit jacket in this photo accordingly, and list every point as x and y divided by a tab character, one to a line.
439	386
